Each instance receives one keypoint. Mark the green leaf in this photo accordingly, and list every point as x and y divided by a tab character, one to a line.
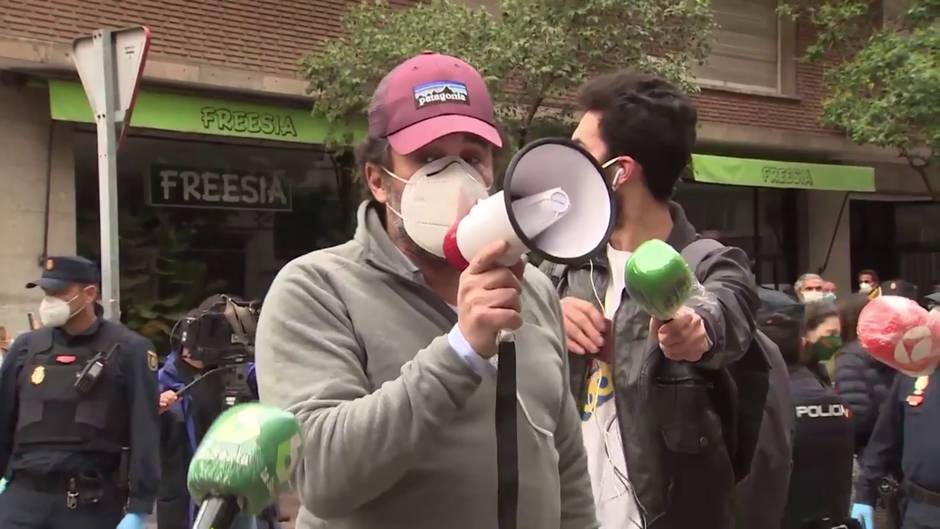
882	79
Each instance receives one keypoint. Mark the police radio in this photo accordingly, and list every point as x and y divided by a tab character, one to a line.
86	379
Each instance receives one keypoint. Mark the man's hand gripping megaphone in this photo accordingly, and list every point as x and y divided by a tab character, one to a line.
489	298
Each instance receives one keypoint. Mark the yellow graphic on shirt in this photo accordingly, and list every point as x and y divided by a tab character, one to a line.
600	388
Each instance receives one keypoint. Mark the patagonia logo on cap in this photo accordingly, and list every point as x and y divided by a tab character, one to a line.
441	92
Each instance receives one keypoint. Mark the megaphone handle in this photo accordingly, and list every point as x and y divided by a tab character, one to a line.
507	447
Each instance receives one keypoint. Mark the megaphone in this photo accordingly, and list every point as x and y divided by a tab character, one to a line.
555	202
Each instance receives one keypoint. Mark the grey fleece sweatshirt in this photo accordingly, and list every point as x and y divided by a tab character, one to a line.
398	431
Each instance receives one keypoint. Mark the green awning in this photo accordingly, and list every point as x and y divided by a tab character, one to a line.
771	173
202	115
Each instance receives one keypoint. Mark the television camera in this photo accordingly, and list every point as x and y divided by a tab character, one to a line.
220	334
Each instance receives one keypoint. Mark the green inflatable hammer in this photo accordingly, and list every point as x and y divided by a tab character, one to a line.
245	458
658	279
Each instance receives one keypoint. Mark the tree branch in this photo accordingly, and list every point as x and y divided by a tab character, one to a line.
919	164
533	110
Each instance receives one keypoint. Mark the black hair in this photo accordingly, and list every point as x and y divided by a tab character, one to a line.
872	273
781	319
648	119
374	151
787	333
849	310
818	312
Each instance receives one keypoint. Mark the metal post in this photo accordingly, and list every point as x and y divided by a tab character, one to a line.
107	183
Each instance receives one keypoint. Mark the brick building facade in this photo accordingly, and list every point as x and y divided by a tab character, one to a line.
245	53
271	37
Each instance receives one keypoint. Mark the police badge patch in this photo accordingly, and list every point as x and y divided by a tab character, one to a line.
152	360
917	397
38	375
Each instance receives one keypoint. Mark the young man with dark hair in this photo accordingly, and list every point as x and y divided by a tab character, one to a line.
653	417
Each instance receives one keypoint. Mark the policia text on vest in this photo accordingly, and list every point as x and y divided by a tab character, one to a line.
818	411
79	430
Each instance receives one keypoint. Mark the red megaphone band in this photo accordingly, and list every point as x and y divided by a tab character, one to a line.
452	250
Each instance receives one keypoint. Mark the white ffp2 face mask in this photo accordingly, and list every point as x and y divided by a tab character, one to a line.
812	296
864	287
434	197
55	312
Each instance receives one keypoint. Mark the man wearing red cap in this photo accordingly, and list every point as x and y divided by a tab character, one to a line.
386	354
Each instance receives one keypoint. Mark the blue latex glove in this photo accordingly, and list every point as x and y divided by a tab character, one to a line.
864	514
132	520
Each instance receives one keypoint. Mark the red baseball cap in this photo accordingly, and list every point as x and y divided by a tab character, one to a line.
428	97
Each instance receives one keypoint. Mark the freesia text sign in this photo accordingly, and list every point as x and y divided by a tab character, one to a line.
228	120
197	114
219	189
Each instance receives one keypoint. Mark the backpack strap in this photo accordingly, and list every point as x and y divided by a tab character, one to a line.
556	272
698	250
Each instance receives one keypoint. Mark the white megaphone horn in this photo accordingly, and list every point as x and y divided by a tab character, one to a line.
555	202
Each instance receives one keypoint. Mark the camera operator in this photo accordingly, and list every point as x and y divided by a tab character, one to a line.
211	351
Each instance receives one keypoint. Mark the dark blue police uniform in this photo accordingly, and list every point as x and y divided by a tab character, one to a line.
821	481
906	444
77	457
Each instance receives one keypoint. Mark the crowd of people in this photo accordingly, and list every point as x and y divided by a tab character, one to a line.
746	407
850	417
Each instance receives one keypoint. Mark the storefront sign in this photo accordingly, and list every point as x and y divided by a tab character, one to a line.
769	173
203	115
218	189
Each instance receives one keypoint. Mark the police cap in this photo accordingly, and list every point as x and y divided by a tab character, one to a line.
778	310
899	287
59	272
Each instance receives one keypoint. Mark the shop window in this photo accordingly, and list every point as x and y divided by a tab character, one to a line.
200	216
918	244
749	218
899	240
753	49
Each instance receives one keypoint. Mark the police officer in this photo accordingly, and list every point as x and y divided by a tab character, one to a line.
905	446
821	479
79	428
